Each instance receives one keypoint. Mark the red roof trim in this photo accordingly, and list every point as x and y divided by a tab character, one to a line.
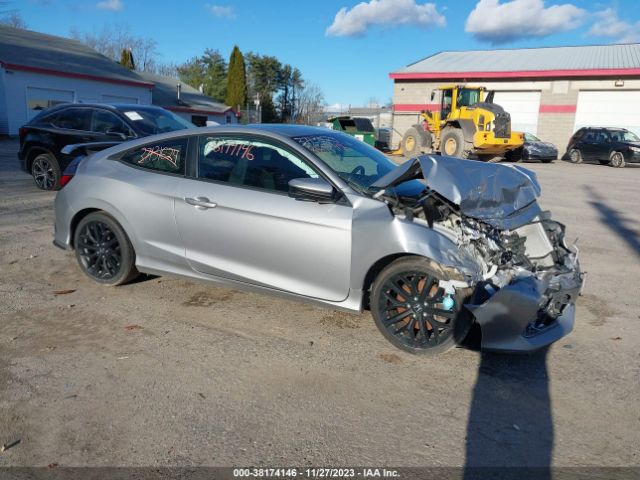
415	107
83	76
557	109
196	110
603	72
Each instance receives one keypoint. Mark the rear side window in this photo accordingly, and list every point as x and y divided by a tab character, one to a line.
250	162
165	157
72	119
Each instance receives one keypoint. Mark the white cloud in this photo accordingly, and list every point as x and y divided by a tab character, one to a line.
356	21
221	11
114	5
497	22
607	24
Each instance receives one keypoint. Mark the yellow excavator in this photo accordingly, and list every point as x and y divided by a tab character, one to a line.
468	123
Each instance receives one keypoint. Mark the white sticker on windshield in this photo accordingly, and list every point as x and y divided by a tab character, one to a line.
133	115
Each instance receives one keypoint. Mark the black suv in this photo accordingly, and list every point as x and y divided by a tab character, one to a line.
609	146
42	139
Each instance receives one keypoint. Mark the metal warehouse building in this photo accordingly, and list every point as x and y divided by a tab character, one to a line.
38	71
550	92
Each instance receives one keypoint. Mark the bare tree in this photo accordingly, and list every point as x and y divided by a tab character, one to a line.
111	40
14	19
310	105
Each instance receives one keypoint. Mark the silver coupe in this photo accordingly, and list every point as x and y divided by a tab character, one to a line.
430	247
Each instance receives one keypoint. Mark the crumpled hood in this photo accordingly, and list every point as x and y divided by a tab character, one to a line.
503	196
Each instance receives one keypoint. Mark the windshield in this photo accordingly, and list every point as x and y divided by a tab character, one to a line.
354	161
150	121
528	137
630	137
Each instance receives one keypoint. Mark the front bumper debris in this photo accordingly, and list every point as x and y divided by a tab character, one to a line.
530	313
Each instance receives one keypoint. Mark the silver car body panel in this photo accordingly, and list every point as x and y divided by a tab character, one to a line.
318	253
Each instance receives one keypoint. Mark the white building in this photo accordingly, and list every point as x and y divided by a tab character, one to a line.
38	71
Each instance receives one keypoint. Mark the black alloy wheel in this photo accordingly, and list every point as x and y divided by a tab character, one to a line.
46	172
103	250
412	310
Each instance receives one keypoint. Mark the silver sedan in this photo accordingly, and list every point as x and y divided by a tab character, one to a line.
430	247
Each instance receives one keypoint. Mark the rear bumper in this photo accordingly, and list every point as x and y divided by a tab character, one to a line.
531	312
489	144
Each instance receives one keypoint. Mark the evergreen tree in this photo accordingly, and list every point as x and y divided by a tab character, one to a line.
236	80
126	59
208	71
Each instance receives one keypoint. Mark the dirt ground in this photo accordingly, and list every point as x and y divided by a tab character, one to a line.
168	372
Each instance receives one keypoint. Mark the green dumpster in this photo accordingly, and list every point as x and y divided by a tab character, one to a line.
360	128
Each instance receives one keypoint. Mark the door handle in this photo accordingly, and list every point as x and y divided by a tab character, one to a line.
201	203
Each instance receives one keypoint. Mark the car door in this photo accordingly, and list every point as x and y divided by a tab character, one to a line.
237	221
602	146
588	145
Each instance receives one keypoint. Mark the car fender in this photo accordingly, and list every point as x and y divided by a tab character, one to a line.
378	234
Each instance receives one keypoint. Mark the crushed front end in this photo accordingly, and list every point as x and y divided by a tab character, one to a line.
524	295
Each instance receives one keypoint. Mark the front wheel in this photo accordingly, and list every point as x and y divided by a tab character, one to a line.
411	142
616	159
413	311
453	144
103	250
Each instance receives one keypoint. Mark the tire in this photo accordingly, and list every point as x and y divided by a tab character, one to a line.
616	159
411	142
413	326
46	172
113	259
453	144
575	156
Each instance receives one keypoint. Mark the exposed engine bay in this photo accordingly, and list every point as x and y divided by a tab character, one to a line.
494	217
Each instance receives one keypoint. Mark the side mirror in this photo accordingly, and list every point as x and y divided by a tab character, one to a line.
312	190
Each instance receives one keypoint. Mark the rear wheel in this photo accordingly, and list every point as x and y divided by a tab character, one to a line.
616	159
575	156
453	144
46	172
103	250
413	311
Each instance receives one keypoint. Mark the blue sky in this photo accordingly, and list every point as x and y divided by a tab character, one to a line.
345	47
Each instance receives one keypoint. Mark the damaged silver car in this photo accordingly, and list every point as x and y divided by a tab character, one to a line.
431	247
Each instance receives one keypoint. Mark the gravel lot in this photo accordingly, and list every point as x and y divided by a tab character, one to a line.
168	372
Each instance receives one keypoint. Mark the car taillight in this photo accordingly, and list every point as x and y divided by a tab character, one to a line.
64	179
70	171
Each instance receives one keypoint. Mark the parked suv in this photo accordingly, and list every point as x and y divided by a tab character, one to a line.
44	137
608	146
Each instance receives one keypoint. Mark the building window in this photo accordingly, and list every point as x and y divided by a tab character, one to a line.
199	120
228	118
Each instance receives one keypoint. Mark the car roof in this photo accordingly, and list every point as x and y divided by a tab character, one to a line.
109	106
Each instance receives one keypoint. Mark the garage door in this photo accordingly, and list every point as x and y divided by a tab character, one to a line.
523	107
118	99
609	109
39	99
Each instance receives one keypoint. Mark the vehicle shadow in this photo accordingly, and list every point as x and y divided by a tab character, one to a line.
615	220
510	425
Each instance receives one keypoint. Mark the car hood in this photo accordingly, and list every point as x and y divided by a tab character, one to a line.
504	196
540	146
